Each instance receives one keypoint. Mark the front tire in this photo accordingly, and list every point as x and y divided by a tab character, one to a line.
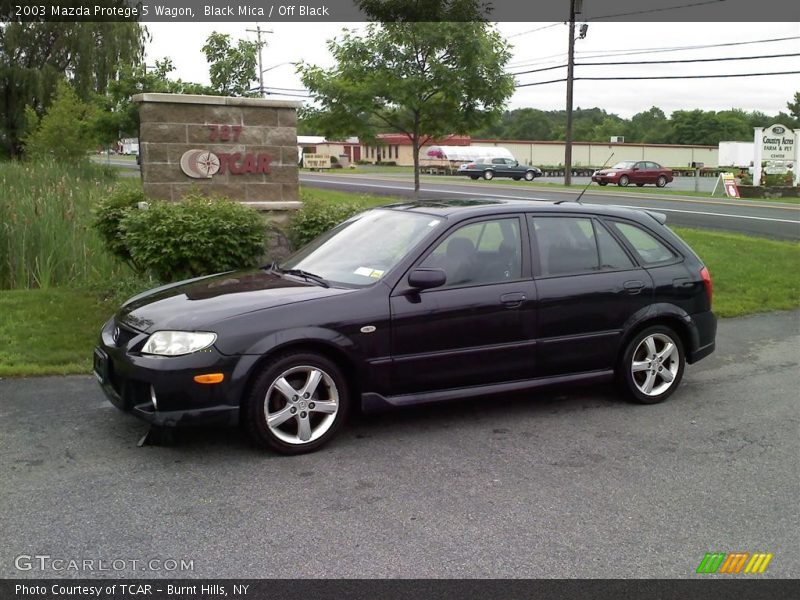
603	183
623	181
488	175
297	403
652	365
530	175
661	181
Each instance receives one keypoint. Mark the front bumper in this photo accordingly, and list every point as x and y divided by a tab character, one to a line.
161	390
605	178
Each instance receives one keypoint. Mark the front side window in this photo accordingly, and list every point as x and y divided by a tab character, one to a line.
479	253
650	250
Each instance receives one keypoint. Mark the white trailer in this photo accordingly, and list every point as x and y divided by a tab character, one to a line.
447	159
736	154
462	154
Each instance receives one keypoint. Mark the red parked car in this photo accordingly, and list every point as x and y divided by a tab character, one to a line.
632	171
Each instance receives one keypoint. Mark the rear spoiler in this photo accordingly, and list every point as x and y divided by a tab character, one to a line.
660	217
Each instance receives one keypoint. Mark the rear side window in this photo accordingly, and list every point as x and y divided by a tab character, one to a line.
571	245
612	256
650	250
565	245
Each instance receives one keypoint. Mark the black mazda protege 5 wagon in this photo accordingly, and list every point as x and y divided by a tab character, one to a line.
411	303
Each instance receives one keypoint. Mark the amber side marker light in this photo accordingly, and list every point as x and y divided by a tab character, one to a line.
209	378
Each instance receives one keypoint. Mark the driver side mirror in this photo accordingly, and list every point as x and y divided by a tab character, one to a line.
425	279
635	168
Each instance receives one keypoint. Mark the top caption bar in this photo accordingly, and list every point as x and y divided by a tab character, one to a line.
192	11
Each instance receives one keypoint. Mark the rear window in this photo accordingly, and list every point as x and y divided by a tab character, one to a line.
649	249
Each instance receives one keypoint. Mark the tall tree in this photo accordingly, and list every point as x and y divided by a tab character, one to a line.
35	57
232	69
66	132
424	80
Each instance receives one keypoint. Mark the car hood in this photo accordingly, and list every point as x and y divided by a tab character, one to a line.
608	171
197	304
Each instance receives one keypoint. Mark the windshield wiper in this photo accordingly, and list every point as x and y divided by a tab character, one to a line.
304	274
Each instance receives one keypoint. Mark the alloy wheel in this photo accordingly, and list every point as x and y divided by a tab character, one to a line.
655	364
301	405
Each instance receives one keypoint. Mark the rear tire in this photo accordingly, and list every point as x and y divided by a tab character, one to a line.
516	178
473	177
623	181
297	403
661	181
652	365
488	175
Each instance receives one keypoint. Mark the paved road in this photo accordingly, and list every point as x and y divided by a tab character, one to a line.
571	483
777	220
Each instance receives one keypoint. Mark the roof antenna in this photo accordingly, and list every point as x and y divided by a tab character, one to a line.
578	199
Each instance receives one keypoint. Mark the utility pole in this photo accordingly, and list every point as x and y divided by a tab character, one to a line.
570	69
258	31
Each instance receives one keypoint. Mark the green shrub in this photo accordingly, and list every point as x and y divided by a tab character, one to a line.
197	236
110	212
318	216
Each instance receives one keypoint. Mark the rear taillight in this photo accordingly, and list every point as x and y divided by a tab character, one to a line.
471	165
709	285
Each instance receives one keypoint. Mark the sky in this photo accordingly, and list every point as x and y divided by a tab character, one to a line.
539	45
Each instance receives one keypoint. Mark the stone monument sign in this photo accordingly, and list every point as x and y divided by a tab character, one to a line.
242	148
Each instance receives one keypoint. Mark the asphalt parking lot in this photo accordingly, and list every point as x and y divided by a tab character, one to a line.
569	483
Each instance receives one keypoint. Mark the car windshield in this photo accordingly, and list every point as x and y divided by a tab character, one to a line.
364	248
625	164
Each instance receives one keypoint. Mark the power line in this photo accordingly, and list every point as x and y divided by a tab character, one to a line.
539	70
590	54
686	60
534	30
653	10
687	76
624	52
715	76
658	62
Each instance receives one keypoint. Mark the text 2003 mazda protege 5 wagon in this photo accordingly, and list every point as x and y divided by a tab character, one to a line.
412	303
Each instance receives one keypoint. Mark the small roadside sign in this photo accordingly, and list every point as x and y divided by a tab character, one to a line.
316	161
729	184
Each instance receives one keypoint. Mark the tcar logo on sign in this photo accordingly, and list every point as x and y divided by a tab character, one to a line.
203	164
734	562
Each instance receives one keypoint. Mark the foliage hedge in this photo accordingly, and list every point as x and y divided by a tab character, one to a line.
318	215
178	240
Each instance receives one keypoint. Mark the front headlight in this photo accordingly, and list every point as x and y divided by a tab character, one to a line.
177	343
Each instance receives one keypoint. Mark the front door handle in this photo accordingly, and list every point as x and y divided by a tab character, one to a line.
512	299
633	287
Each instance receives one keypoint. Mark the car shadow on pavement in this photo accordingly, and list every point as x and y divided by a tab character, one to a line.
498	410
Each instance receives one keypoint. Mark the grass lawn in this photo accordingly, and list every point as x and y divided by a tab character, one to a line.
50	331
750	274
53	331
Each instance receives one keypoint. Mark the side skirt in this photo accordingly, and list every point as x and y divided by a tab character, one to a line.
372	402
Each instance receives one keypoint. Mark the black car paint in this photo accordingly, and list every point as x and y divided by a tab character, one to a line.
427	345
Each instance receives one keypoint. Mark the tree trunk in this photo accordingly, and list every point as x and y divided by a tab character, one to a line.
415	150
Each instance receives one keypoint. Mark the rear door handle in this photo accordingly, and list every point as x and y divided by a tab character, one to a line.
682	283
512	299
633	287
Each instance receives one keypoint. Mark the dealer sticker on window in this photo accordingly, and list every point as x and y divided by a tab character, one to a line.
367	272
